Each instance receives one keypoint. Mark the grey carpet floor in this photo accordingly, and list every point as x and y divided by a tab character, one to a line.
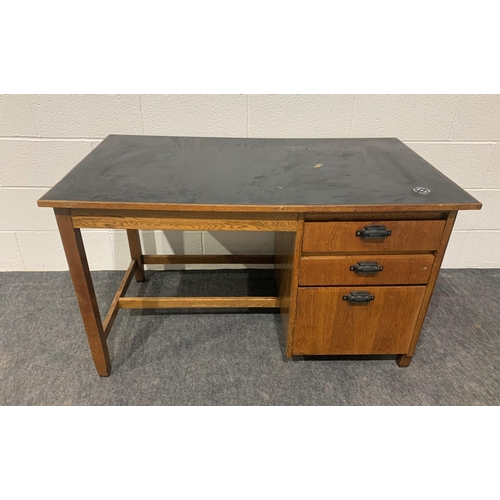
235	357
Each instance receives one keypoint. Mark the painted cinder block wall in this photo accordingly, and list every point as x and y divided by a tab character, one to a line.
44	136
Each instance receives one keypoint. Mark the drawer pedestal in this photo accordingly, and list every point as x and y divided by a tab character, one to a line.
362	286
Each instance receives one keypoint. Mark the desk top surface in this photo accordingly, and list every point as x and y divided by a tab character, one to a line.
191	173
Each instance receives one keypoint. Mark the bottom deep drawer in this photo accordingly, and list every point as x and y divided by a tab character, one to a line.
356	320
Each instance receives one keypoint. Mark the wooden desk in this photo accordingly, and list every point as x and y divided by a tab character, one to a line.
361	230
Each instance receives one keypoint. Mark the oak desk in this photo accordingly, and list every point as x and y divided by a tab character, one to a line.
361	228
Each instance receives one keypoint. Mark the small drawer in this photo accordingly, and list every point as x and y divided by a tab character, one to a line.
366	270
372	236
334	320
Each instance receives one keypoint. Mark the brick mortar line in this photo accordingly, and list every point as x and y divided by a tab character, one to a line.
50	139
459	106
479	188
452	143
482	189
488	171
19	188
141	113
353	110
20	252
95	139
30	104
248	114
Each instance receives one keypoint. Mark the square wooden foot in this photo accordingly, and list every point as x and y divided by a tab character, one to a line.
403	360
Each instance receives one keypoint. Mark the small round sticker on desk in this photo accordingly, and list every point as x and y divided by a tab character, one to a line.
421	190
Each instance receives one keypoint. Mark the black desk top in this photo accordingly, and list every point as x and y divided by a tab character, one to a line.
283	174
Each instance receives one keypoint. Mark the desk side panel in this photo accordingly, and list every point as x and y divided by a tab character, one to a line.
183	221
286	264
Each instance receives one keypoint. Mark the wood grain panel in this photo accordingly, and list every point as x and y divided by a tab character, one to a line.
335	270
341	236
327	324
183	302
182	221
286	267
284	249
209	259
365	216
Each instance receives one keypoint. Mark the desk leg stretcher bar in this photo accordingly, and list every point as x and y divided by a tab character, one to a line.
121	302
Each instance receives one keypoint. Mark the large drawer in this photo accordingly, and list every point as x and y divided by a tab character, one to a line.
366	270
326	323
397	236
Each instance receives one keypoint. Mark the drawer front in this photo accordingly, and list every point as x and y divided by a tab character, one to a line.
366	270
328	324
343	237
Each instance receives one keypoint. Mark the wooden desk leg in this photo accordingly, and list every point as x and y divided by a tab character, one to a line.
136	252
84	289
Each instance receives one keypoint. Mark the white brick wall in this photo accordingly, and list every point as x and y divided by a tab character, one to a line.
44	136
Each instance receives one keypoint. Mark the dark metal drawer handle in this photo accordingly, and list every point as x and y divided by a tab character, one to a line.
359	297
374	232
366	267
